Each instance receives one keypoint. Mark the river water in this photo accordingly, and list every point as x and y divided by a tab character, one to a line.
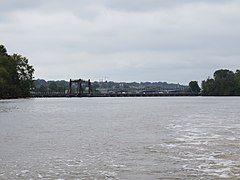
120	138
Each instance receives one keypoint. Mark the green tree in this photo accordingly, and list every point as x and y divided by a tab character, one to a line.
208	87
16	75
225	82
8	75
194	87
53	87
237	82
42	88
3	50
24	74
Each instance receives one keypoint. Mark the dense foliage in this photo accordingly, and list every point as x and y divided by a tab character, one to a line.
194	87
16	75
41	86
224	83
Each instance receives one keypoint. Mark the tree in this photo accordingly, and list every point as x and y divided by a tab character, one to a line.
222	74
42	88
24	73
3	77
194	87
3	50
225	83
16	75
237	82
8	75
208	87
53	86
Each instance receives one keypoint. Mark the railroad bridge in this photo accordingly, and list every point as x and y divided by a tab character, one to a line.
80	87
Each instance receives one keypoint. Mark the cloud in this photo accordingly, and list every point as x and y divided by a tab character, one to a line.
152	40
153	5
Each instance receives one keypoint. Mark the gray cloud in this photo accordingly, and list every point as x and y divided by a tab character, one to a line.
144	40
154	5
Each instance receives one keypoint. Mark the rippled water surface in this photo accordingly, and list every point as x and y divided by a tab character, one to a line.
120	138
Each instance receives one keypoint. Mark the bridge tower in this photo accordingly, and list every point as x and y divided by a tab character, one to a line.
80	86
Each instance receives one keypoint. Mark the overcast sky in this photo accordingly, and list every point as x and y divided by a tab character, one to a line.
124	40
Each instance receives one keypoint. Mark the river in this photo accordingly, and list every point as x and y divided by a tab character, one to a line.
120	138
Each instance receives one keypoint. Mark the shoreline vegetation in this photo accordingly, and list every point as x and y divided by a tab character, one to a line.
16	81
223	83
16	75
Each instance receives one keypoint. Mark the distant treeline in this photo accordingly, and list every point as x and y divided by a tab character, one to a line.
41	85
223	83
62	86
16	75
